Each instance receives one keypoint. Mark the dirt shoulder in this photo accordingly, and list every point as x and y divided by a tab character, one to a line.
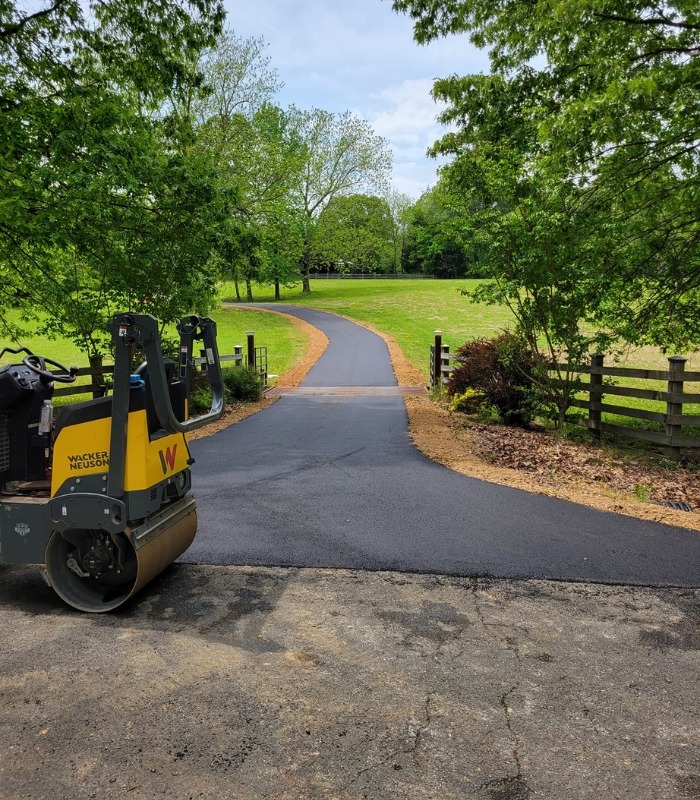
530	460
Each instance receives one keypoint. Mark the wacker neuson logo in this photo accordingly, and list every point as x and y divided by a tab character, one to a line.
89	460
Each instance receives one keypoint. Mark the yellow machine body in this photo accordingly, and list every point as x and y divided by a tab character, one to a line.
83	449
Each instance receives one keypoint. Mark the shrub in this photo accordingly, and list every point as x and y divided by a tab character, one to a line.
471	401
242	383
200	400
503	370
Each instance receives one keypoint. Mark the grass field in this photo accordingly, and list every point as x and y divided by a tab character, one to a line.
411	311
408	310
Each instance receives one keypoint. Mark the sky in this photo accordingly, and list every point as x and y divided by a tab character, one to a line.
359	55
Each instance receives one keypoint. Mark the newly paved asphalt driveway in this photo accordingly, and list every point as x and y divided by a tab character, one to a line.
329	480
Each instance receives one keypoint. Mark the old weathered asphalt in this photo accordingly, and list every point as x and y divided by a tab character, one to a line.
284	683
334	481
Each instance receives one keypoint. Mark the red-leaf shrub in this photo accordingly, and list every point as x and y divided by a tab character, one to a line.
501	368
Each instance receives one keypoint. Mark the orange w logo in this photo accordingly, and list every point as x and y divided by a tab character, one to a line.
167	458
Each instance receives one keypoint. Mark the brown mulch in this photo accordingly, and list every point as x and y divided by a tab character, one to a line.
530	460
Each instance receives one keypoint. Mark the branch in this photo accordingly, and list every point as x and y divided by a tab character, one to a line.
12	30
652	21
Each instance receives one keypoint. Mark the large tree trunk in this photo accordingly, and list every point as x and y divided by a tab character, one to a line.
277	289
238	289
249	290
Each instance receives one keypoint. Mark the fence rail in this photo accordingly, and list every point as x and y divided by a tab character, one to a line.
370	276
673	419
257	357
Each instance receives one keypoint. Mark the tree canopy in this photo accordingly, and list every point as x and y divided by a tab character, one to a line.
600	100
103	202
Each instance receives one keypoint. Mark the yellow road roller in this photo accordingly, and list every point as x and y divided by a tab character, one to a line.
101	495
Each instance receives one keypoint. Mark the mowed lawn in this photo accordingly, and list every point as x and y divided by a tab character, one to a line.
409	310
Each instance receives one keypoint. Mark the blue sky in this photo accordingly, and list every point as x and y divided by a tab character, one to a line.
360	56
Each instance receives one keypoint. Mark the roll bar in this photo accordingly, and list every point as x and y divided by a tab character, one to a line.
131	329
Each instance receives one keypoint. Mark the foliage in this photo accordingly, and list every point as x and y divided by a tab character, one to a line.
241	383
470	401
103	205
340	155
602	97
354	234
256	155
503	370
439	236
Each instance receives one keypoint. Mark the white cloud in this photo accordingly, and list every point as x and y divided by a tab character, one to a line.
361	56
406	115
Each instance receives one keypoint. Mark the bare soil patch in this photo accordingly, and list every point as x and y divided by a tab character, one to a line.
531	460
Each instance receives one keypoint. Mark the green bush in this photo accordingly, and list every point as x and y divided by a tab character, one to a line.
471	401
242	383
200	400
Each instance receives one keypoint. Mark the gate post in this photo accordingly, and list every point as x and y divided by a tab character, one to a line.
436	377
251	348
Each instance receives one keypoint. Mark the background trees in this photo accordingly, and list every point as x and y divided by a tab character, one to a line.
355	234
341	155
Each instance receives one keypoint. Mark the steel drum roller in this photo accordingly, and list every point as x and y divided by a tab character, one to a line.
85	576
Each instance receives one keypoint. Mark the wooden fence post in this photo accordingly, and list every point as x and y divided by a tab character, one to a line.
595	396
238	353
437	350
676	368
251	348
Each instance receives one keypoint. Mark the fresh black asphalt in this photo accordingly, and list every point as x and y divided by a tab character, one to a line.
335	481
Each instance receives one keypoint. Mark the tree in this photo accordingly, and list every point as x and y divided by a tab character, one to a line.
399	206
102	204
355	234
257	153
239	79
439	237
611	91
341	155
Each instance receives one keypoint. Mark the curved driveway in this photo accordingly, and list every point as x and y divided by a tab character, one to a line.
333	480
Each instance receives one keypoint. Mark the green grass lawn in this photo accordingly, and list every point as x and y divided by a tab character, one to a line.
408	310
286	343
411	311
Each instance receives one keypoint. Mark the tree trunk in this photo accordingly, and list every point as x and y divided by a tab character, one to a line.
238	290
97	375
277	289
249	290
305	264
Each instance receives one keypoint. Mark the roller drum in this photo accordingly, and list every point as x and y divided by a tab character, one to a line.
141	560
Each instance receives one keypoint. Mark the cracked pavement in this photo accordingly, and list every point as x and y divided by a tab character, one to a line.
298	684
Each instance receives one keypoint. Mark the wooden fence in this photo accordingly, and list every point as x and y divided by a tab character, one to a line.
673	438
256	356
672	418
